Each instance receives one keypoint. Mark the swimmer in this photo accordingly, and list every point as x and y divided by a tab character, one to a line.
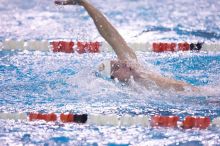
126	68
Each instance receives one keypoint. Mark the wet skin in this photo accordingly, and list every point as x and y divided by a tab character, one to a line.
127	65
122	71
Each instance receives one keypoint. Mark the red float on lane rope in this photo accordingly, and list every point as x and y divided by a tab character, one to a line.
163	47
157	47
46	117
164	121
62	46
67	118
82	47
88	47
196	122
183	47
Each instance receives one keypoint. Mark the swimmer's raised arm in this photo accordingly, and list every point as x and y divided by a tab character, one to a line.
105	28
123	70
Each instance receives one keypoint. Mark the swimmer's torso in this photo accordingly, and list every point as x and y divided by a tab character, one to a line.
125	71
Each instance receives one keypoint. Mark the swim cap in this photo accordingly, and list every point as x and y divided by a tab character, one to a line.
105	68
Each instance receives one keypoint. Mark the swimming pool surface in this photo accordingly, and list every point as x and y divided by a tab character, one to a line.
33	81
48	82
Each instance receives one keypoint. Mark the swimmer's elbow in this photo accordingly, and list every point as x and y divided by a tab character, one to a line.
182	86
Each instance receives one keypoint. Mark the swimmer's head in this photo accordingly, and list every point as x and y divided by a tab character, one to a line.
116	69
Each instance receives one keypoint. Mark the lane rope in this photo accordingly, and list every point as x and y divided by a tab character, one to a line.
189	122
69	46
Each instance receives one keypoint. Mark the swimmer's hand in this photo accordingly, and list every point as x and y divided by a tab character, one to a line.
67	2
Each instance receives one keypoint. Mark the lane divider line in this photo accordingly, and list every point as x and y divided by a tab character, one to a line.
189	122
69	46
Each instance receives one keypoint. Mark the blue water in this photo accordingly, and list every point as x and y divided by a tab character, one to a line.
48	82
137	20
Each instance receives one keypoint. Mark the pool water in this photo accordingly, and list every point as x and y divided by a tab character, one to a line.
48	82
33	81
136	20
